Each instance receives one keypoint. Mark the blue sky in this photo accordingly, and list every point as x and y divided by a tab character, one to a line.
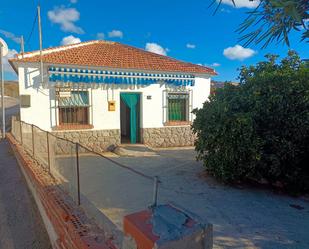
185	30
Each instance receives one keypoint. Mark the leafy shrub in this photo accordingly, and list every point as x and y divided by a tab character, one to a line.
259	129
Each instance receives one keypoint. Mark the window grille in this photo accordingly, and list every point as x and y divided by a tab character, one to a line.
74	108
177	106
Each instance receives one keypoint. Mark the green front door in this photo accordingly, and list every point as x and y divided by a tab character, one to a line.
132	100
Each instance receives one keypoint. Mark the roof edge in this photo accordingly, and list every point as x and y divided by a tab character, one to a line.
120	69
54	49
19	57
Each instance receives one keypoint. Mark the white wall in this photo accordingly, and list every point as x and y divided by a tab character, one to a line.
151	109
201	91
42	110
151	113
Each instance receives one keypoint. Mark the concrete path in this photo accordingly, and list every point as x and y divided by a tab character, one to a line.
134	150
243	217
21	226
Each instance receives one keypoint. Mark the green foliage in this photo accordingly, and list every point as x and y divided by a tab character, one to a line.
259	129
273	20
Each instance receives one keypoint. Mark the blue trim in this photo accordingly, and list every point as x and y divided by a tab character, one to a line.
111	77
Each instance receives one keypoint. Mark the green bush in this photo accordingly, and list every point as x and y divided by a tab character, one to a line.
259	129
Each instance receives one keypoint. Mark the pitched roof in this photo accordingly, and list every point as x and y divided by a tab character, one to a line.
111	55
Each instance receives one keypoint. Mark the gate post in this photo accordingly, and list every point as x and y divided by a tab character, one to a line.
32	139
77	171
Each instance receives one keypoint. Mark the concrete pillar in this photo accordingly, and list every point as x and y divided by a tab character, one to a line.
166	227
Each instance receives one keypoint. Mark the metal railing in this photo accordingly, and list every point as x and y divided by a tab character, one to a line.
91	179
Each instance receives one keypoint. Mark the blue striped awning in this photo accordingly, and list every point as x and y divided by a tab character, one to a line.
74	75
77	98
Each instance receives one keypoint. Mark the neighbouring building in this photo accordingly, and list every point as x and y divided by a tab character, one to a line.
103	93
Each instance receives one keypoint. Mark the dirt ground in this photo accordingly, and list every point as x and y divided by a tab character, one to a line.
242	217
21	226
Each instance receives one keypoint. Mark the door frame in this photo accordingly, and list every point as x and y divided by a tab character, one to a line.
138	116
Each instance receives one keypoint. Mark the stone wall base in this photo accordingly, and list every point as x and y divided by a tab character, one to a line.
170	136
98	140
104	140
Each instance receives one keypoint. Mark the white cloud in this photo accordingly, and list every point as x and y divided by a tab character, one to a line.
100	36
6	66
156	48
238	53
192	46
115	33
73	1
70	40
242	3
66	18
215	64
10	35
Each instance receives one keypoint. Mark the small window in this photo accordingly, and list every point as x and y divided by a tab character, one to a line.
74	109
178	107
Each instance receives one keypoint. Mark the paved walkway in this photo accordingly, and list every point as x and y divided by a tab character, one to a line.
21	226
243	217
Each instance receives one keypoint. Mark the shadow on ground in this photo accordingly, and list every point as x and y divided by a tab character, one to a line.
242	218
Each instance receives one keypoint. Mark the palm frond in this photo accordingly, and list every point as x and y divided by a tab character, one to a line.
276	17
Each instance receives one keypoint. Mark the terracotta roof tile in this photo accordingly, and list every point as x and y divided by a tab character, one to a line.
111	55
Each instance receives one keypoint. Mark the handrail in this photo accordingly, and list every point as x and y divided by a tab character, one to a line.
77	148
119	164
97	153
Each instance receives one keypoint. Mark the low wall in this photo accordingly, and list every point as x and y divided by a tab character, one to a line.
103	140
98	140
169	136
66	223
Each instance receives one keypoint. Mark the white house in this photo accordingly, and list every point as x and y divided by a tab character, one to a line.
103	93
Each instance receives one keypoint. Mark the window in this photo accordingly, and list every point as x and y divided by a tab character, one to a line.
74	108
178	107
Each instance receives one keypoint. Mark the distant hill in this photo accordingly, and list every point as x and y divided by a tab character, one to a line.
220	84
11	89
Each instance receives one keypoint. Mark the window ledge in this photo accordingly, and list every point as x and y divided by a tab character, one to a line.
177	123
73	127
